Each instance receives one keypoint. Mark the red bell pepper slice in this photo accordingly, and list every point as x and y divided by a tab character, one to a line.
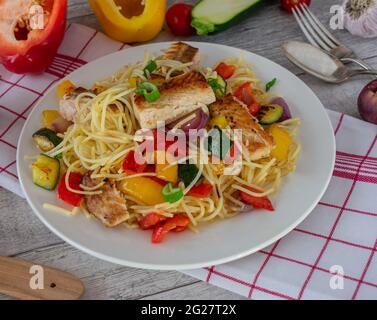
225	70
202	190
254	108
131	166
150	220
177	223
27	50
256	202
245	94
67	196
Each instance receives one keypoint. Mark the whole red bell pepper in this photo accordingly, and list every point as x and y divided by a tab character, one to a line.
24	47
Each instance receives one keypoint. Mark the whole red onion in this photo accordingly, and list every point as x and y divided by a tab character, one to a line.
367	102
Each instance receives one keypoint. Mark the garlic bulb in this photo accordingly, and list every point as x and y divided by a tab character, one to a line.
360	17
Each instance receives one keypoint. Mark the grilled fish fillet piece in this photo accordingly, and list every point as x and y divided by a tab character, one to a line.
179	96
67	107
255	138
109	206
184	53
157	79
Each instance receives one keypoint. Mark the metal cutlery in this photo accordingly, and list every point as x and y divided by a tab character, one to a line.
317	34
320	63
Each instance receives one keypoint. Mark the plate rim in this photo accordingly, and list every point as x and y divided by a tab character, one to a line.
187	266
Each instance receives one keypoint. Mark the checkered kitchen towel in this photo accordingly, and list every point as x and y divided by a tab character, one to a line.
342	230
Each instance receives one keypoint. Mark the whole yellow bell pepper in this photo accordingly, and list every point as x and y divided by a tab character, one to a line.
130	20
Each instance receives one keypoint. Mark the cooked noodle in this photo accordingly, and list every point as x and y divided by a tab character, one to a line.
101	137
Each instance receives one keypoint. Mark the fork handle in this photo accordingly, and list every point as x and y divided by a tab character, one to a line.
360	62
358	72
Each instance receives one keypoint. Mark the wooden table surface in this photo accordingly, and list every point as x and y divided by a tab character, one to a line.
22	235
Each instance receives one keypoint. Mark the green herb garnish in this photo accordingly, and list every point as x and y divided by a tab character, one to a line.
270	84
149	68
149	91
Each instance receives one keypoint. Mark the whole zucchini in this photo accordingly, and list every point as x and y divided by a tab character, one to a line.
216	15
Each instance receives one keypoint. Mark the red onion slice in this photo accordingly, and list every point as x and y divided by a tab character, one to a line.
199	122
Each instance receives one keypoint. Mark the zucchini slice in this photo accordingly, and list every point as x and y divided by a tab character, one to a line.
187	173
216	15
270	114
46	139
46	172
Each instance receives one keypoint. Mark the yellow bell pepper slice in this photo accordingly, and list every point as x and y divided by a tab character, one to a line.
166	171
48	117
143	189
283	141
132	82
219	121
65	87
130	20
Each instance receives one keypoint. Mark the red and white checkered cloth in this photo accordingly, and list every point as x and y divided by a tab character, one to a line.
341	232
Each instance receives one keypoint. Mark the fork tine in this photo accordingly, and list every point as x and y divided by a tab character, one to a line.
320	25
317	29
303	29
309	28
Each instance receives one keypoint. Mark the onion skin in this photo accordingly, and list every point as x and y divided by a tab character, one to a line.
367	102
287	112
364	25
199	122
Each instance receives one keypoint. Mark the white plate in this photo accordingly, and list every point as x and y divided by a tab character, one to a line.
218	242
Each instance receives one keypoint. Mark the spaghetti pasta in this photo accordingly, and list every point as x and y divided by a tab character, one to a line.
103	134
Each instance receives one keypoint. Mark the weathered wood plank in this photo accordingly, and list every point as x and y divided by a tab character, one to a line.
196	291
20	229
104	280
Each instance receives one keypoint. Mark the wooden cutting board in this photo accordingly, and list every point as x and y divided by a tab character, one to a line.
26	280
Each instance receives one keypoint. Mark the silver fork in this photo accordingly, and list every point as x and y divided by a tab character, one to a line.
319	36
